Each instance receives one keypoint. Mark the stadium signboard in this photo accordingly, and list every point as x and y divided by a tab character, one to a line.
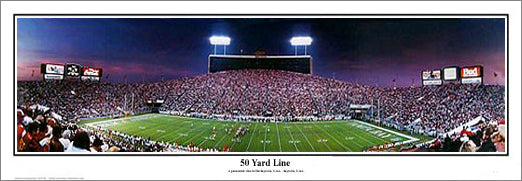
92	71
431	77
432	82
53	77
472	75
90	78
52	71
450	73
474	80
475	71
72	70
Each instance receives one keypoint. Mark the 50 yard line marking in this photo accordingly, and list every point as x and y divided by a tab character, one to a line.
278	139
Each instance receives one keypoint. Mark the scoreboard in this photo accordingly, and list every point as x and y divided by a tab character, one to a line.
52	71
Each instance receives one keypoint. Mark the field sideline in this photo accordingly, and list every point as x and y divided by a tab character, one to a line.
331	136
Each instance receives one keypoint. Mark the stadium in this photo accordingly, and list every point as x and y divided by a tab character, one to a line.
258	103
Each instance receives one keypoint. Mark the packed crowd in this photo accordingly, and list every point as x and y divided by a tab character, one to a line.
38	130
74	99
256	94
483	137
440	108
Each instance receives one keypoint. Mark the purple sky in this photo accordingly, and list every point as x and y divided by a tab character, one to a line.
368	51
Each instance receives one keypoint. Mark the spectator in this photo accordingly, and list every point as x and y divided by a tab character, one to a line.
80	143
55	144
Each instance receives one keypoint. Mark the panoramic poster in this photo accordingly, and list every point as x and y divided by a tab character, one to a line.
259	85
260	90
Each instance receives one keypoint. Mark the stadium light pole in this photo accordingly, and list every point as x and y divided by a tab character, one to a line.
379	109
220	40
301	41
125	101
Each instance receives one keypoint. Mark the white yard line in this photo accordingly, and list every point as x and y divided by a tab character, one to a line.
346	126
202	142
264	141
278	139
345	147
412	139
252	136
119	119
318	136
217	143
372	143
138	132
195	135
355	134
190	131
291	136
171	132
306	138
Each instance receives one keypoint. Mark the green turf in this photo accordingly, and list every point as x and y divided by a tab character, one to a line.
332	136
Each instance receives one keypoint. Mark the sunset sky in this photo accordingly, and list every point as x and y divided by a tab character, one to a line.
368	51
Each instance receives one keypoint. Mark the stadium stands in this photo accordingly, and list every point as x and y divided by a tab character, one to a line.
43	105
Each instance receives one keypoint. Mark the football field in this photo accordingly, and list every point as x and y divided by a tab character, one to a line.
330	136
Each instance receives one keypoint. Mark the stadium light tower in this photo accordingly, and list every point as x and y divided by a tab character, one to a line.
301	41
220	40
